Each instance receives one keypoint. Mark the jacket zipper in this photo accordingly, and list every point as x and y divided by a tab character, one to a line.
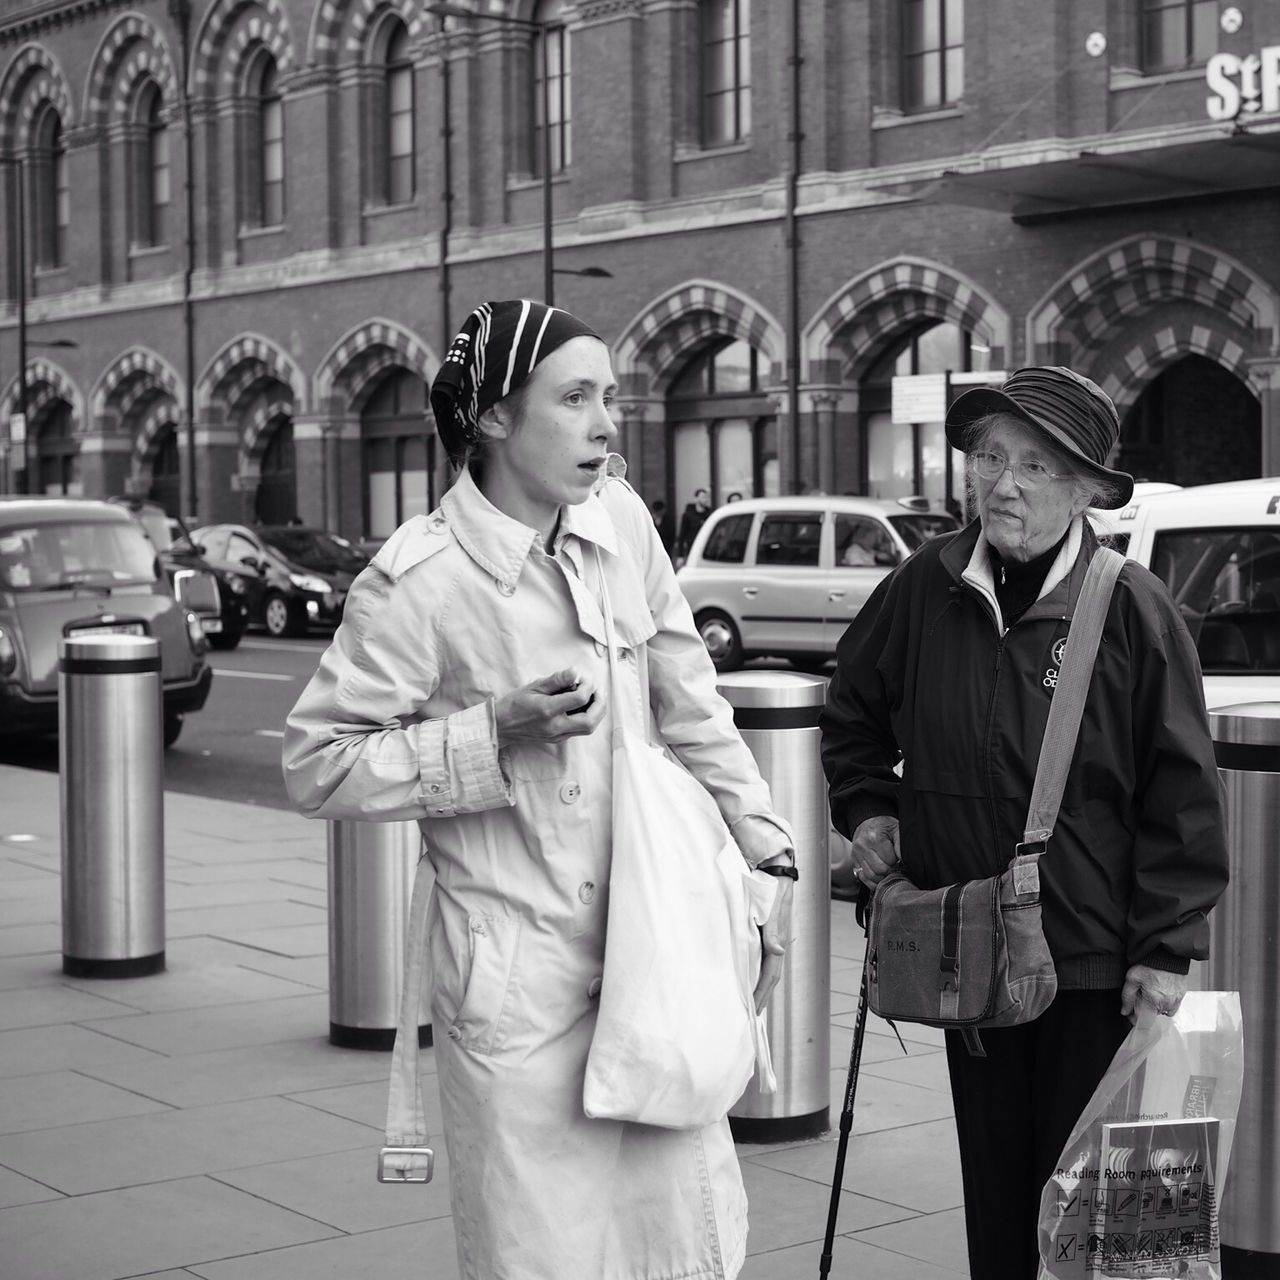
986	743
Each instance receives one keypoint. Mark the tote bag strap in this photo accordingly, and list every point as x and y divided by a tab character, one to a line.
1067	708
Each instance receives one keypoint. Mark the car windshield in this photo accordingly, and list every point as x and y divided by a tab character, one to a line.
1226	583
156	524
916	529
73	554
315	549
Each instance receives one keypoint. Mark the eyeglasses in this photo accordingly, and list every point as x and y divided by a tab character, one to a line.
1026	475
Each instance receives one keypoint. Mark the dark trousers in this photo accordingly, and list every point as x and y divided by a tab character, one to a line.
1015	1110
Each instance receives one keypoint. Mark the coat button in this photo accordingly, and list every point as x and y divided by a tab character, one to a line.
599	649
586	892
477	926
455	1033
506	588
436	524
570	792
593	988
435	788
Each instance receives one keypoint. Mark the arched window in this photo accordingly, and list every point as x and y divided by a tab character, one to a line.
726	71
50	194
166	471
266	158
399	455
277	498
150	169
397	119
550	50
904	458
56	453
723	434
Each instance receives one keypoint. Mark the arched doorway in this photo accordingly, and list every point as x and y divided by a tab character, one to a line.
902	459
398	454
277	497
57	472
1196	423
722	433
166	482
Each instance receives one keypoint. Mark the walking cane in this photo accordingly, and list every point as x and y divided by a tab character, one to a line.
846	1113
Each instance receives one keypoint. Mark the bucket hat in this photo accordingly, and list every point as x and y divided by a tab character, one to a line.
1063	408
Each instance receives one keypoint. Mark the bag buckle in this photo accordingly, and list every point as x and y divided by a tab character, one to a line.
1029	848
412	1164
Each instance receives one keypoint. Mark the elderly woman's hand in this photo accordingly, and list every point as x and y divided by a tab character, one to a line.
875	849
776	936
558	706
1162	990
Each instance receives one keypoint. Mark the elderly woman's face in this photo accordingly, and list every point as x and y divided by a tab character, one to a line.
1024	523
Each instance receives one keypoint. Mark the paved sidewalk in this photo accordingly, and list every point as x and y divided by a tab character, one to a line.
198	1122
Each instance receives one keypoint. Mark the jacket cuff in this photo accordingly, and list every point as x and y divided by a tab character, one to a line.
1166	961
458	760
865	806
761	836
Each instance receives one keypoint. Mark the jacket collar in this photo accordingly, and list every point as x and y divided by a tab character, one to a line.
500	545
967	560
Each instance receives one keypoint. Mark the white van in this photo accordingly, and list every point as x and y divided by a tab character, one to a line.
1217	549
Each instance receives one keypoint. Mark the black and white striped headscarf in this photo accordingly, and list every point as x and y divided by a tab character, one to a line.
493	355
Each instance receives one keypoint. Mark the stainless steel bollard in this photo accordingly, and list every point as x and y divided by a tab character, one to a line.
1244	956
111	800
777	714
371	870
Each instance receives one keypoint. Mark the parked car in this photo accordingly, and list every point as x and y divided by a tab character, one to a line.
74	567
216	597
1217	549
784	576
295	577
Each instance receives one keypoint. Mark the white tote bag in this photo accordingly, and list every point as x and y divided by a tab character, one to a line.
677	1036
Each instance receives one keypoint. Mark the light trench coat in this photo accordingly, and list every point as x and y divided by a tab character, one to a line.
458	608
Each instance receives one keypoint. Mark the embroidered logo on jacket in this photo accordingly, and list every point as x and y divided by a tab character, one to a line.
1056	654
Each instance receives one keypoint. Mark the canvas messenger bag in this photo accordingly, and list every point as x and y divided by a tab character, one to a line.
973	955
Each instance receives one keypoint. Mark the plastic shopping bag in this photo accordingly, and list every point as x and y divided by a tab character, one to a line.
1136	1192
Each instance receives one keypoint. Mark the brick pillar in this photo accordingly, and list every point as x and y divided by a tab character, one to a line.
825	402
1264	381
103	463
218	480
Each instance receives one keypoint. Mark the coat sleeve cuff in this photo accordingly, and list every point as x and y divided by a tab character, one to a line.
458	758
860	808
1166	961
762	836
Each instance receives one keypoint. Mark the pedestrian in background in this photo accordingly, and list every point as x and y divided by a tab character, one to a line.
693	518
467	687
665	524
949	670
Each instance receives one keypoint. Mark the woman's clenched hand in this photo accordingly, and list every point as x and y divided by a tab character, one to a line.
561	705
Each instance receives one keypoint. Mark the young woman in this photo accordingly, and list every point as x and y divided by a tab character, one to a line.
468	688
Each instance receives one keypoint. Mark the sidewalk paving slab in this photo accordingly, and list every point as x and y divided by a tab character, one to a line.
197	1125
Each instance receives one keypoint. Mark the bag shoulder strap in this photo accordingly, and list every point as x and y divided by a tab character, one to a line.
1069	696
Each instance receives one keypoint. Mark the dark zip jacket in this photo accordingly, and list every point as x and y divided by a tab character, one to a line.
924	675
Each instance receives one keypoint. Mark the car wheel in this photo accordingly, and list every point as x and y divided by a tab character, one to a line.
278	617
721	638
172	728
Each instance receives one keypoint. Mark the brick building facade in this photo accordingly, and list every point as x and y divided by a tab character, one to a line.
969	188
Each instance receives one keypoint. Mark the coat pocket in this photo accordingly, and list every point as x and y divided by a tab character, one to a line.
480	1022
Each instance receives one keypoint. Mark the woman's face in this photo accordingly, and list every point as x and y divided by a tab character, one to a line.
1024	523
554	450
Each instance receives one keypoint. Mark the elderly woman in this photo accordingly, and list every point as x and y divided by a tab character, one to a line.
467	688
950	668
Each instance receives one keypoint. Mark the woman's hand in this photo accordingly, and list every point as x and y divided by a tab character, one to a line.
875	849
776	936
1162	990
561	705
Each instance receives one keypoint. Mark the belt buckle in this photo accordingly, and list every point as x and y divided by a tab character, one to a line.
411	1173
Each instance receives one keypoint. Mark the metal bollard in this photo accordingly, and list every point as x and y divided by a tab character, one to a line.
1244	956
777	714
371	870
111	801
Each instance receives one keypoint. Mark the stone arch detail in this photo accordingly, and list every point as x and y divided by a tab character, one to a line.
327	43
46	382
134	370
650	351
255	430
243	366
353	362
227	35
131	50
1093	302
146	438
1129	375
853	324
32	77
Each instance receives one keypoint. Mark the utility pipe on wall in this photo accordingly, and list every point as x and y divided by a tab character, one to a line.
795	138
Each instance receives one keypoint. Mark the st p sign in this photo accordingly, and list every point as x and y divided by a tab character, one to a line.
1243	85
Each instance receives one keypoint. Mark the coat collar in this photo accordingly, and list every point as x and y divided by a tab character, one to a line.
500	545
